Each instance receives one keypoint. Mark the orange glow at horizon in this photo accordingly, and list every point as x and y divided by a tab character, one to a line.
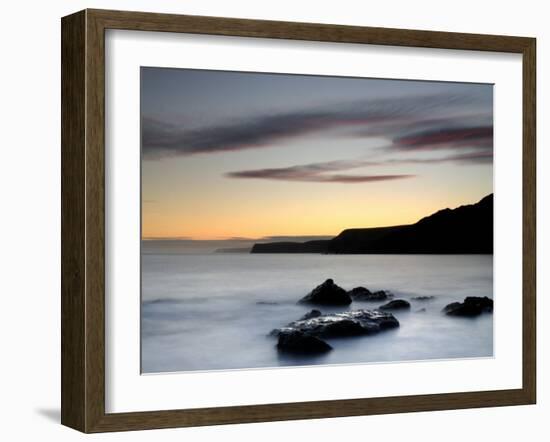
313	218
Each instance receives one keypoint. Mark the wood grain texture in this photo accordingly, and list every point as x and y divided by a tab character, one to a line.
73	129
144	21
529	220
83	220
95	222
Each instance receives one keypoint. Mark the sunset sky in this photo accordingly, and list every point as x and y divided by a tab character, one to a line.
252	155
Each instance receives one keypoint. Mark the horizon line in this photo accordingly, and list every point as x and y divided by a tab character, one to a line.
233	238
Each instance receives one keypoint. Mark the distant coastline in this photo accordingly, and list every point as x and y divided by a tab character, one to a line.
465	230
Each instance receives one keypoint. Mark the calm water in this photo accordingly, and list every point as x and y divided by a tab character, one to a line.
213	311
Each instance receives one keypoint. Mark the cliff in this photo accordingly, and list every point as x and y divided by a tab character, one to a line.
465	230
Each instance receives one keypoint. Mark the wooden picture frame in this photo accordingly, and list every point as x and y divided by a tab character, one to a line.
83	220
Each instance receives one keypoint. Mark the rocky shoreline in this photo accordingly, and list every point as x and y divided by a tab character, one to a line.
306	335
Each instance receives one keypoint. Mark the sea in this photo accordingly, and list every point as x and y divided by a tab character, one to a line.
202	310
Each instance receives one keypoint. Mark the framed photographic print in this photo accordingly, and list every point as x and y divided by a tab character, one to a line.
270	220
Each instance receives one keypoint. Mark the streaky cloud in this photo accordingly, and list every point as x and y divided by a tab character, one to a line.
317	173
447	138
271	174
324	172
160	139
476	157
352	179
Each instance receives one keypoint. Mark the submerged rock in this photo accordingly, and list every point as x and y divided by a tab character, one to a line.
423	298
299	342
472	306
328	293
352	323
364	294
396	304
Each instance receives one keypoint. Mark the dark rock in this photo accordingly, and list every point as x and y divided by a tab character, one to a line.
364	294
423	298
381	295
328	293
312	314
352	323
299	342
422	310
396	304
345	327
472	306
451	307
359	292
485	303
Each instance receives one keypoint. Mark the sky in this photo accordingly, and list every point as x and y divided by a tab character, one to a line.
244	155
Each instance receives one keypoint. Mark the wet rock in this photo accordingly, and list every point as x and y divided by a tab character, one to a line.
451	307
312	314
423	298
472	306
382	295
359	292
299	342
351	323
345	327
328	293
396	304
364	294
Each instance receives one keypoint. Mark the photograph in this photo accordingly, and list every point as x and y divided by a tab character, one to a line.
293	220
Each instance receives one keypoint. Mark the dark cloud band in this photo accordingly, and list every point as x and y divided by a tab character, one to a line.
315	178
447	138
388	117
324	172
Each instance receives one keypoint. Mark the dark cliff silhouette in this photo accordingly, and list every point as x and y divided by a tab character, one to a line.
464	230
